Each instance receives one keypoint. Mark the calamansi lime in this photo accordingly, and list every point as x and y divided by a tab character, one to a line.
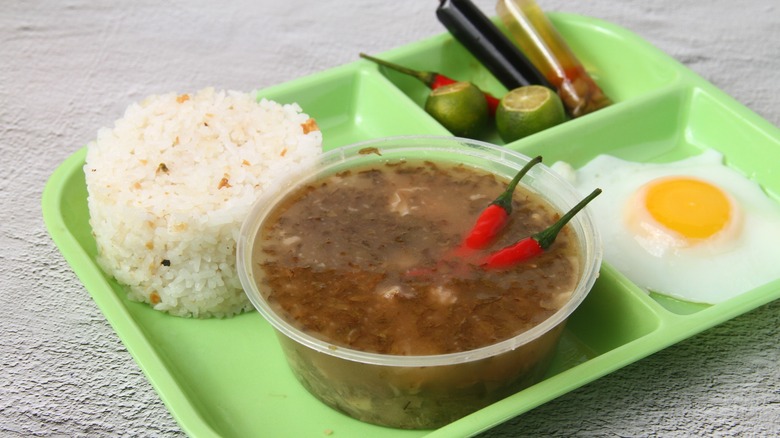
459	107
528	110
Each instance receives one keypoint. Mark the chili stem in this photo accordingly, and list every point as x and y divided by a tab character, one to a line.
547	237
429	78
504	200
536	244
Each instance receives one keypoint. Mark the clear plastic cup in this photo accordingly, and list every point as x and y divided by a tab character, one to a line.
422	392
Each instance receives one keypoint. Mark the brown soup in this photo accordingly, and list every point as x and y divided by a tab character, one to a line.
364	259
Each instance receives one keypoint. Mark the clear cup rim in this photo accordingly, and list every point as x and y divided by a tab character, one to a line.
582	223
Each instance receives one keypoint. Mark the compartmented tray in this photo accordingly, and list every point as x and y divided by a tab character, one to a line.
229	377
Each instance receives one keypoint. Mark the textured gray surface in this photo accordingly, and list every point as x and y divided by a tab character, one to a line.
69	67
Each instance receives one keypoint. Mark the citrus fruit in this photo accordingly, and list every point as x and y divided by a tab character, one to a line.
459	107
528	110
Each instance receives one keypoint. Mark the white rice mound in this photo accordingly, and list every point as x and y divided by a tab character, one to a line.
170	184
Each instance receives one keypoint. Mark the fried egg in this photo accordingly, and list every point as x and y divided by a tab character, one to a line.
693	229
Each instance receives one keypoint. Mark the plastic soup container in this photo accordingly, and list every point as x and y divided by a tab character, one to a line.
414	391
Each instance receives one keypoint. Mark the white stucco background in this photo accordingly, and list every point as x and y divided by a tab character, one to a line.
70	67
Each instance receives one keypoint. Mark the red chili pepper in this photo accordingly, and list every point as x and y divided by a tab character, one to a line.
432	80
493	218
438	80
536	244
492	103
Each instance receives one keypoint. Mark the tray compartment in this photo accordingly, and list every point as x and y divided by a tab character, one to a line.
669	124
650	128
352	104
441	54
252	371
220	377
613	314
623	78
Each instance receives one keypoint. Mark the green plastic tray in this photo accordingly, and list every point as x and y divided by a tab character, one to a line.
229	378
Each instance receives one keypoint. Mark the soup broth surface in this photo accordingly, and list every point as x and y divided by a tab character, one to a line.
366	259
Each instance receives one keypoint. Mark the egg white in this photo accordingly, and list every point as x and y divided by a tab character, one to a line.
740	258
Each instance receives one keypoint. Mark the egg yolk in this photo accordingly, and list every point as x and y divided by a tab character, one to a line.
691	207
